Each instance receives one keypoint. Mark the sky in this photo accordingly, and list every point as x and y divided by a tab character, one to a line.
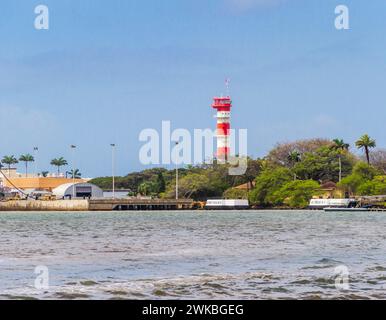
105	70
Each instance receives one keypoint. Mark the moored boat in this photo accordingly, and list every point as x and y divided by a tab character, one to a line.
227	204
332	203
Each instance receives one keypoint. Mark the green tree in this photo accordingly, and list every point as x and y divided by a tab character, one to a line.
9	161
279	154
296	194
192	185
254	167
366	143
44	174
161	182
339	144
323	165
341	147
133	180
74	174
26	158
267	183
293	158
234	193
59	162
375	187
361	174
148	188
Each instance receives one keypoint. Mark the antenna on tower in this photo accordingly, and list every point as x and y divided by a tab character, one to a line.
227	85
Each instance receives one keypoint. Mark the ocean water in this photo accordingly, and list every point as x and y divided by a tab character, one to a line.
193	255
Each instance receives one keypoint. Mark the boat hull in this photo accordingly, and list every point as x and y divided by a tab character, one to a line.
346	209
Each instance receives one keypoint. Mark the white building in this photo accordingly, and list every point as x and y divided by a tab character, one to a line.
227	204
77	190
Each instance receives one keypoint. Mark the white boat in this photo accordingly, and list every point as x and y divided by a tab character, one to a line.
227	204
332	203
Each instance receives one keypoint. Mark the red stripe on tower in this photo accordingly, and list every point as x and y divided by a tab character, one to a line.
223	106
223	129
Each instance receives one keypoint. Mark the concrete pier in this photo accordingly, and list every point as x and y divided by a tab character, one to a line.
96	205
33	205
139	204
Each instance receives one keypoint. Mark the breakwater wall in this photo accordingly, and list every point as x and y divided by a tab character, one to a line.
96	205
33	205
135	204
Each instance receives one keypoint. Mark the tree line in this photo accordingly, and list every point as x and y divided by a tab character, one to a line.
289	175
11	160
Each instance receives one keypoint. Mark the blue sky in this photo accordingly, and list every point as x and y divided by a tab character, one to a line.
108	69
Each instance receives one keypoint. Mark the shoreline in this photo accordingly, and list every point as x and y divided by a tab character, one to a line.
132	205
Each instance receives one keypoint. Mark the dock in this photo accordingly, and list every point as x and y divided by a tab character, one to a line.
124	204
133	204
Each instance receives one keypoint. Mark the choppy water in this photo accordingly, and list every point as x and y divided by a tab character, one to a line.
193	255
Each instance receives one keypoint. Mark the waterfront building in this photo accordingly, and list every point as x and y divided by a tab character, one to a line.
329	190
77	190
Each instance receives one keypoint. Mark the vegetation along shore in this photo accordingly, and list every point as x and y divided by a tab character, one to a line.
287	177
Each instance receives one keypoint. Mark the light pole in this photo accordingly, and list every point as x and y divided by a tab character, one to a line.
73	147
176	176
36	149
113	165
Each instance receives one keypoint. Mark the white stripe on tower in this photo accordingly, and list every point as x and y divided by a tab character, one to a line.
223	106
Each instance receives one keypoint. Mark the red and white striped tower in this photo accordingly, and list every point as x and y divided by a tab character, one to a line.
223	106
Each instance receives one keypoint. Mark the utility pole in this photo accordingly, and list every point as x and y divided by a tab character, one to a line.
36	149
176	177
73	147
113	166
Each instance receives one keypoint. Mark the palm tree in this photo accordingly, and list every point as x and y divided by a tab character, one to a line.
366	143
44	174
340	146
294	157
59	162
74	174
9	160
26	158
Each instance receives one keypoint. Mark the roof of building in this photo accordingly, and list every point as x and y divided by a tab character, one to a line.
63	187
61	190
328	185
46	183
246	186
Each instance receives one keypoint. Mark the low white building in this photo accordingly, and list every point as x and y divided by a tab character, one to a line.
332	203
77	190
227	204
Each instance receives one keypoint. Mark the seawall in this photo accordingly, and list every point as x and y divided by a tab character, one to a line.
96	205
32	205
